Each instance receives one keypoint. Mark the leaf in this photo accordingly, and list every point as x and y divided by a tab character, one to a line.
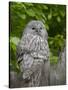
28	4
43	15
30	12
53	58
55	14
13	46
47	27
14	40
62	13
58	19
45	7
49	16
51	42
23	16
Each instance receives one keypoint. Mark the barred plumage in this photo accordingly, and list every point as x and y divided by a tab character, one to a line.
32	52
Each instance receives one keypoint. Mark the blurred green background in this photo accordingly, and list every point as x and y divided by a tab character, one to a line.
54	19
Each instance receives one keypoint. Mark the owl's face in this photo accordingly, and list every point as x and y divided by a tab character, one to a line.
36	28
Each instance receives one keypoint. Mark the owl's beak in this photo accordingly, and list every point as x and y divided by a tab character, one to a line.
37	30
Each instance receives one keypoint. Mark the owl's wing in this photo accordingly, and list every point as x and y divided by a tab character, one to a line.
28	64
24	46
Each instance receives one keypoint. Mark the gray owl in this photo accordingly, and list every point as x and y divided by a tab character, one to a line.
33	52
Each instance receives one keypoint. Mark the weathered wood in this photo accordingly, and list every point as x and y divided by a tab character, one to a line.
58	71
50	75
45	74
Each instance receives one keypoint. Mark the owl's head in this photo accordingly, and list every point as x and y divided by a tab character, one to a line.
36	27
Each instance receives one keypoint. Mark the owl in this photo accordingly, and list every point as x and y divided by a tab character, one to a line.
33	52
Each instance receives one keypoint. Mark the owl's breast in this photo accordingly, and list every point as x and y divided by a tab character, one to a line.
37	43
39	48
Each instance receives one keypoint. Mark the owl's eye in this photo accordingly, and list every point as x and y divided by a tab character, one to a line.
33	28
40	27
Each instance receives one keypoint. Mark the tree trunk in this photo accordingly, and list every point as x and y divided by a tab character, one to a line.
58	71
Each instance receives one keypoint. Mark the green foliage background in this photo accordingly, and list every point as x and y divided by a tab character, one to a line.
54	19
